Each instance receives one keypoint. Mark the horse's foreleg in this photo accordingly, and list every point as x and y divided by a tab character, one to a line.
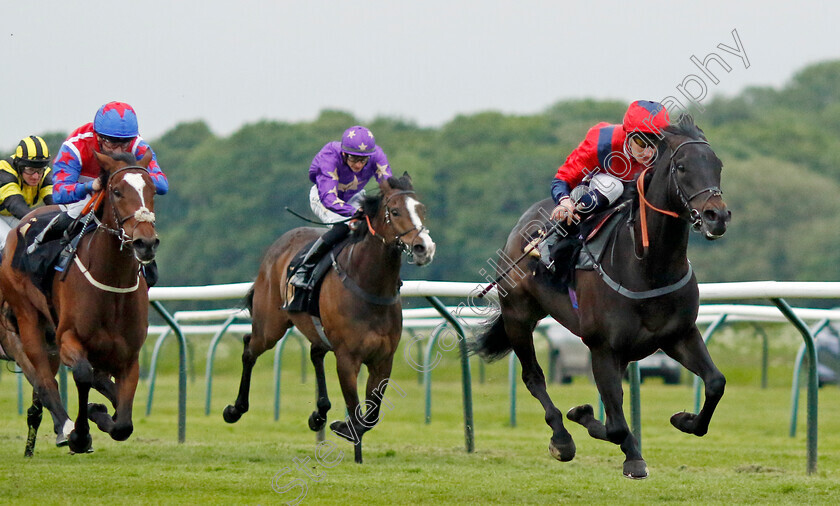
378	381
122	427
318	418
561	446
693	354
608	372
39	367
350	429
73	354
233	412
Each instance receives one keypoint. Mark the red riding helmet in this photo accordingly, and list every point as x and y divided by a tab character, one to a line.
646	117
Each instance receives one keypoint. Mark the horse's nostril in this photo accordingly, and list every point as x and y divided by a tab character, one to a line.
419	249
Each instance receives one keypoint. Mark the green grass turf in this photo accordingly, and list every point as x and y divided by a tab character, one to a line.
747	457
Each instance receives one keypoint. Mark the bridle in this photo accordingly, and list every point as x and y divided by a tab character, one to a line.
141	215
398	235
694	217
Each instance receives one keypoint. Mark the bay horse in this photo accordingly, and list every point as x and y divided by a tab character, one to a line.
360	308
95	319
639	299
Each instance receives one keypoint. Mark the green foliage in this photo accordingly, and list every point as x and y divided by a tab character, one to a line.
478	173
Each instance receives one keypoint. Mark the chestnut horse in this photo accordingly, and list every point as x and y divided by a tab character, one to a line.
637	300
360	308
95	319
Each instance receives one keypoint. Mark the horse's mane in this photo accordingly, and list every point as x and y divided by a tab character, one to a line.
371	204
686	127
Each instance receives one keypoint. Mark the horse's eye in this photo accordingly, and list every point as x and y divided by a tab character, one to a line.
681	167
117	193
395	212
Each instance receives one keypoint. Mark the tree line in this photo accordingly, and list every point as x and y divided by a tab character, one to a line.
479	172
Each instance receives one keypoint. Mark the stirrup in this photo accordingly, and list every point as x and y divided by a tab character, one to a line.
302	277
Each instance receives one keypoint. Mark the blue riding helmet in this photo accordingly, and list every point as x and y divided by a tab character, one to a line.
358	140
116	119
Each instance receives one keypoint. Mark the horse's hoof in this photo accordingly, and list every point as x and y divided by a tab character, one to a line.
342	429
316	422
563	452
94	409
687	422
579	413
80	444
61	439
231	414
635	469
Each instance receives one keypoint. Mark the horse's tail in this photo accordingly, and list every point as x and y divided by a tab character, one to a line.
492	342
248	301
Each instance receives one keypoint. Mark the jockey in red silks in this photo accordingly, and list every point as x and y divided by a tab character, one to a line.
609	156
593	175
76	171
340	172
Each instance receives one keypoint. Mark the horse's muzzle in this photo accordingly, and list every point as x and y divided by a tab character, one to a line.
423	250
145	248
714	218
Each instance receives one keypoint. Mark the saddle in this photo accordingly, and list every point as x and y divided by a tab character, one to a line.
582	250
40	263
299	299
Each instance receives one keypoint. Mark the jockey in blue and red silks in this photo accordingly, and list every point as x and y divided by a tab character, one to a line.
340	172
76	170
609	156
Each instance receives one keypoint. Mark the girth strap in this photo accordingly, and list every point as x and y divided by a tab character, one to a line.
646	294
351	285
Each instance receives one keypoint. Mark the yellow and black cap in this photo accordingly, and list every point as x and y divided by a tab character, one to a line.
32	151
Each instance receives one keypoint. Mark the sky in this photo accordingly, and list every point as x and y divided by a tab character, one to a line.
232	63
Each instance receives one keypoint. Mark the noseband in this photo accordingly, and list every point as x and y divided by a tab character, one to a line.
141	215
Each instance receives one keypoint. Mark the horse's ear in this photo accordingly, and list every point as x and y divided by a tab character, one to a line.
146	160
385	186
405	177
106	162
686	120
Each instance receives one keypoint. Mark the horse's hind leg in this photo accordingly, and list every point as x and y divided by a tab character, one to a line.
254	346
561	446
318	418
233	412
608	373
33	421
350	429
693	354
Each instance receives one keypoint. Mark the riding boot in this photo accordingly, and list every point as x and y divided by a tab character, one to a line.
302	275
57	228
150	272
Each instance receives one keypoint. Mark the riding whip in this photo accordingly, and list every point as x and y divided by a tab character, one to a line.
531	247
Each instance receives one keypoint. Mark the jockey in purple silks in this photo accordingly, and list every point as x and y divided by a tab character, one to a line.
340	172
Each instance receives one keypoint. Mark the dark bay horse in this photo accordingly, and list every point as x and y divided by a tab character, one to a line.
638	300
360	308
95	319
